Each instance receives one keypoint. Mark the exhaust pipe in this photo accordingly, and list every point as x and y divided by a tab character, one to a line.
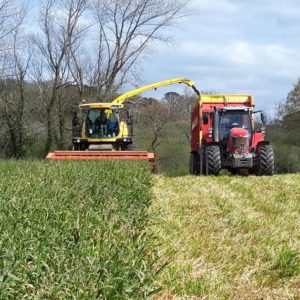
216	126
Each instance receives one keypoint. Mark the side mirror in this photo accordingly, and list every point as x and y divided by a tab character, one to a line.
74	118
263	118
205	118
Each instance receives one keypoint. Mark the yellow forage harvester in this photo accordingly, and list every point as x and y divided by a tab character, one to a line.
100	134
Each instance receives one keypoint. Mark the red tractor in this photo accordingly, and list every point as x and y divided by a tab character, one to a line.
223	137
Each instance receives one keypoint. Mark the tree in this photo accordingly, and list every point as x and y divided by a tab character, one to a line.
14	72
290	110
125	30
61	30
289	113
150	118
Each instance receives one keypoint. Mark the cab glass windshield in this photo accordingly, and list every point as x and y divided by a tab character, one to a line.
102	123
231	119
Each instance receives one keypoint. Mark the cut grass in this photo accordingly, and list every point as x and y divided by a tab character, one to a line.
235	237
74	230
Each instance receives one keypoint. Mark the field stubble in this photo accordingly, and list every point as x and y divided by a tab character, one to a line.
230	237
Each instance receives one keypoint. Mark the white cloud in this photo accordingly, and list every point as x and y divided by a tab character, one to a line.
235	46
204	6
241	52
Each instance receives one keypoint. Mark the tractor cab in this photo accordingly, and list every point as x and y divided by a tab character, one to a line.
230	118
233	129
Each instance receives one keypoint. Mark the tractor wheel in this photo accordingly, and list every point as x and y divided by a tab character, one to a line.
212	160
265	161
194	164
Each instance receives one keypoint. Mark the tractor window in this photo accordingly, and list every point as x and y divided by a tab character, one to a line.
231	119
102	123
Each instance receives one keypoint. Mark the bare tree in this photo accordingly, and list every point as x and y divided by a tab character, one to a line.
150	116
12	14
125	30
61	30
17	121
15	62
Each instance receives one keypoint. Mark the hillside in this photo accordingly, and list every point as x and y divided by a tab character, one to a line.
229	237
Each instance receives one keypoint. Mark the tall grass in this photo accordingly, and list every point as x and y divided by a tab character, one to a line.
74	230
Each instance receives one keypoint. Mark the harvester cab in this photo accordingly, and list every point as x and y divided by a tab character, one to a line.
99	127
224	137
100	133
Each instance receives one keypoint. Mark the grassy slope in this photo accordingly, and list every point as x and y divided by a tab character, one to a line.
237	238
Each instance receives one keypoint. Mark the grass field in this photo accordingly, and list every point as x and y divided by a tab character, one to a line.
75	230
229	237
111	230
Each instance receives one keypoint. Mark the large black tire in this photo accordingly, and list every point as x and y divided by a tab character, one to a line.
265	161
194	164
212	160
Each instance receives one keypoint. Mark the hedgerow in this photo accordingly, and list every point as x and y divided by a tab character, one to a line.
74	230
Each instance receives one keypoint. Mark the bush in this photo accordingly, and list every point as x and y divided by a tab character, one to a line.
74	230
287	158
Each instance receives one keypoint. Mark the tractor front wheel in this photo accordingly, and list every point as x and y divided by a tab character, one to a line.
212	160
265	158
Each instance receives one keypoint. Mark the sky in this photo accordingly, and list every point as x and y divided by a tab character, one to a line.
231	46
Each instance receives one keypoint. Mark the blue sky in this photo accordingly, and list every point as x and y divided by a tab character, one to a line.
233	46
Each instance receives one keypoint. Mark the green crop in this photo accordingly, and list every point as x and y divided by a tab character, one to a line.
74	230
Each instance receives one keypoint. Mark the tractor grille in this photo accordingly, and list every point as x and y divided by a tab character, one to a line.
241	142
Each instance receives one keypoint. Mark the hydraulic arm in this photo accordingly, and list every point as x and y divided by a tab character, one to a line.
121	99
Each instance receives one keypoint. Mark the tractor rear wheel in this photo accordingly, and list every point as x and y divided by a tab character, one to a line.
265	161
212	160
194	164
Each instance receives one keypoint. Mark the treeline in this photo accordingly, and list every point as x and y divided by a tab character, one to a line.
161	126
285	134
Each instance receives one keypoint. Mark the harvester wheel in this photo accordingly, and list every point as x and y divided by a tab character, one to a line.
194	164
75	147
212	160
265	161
